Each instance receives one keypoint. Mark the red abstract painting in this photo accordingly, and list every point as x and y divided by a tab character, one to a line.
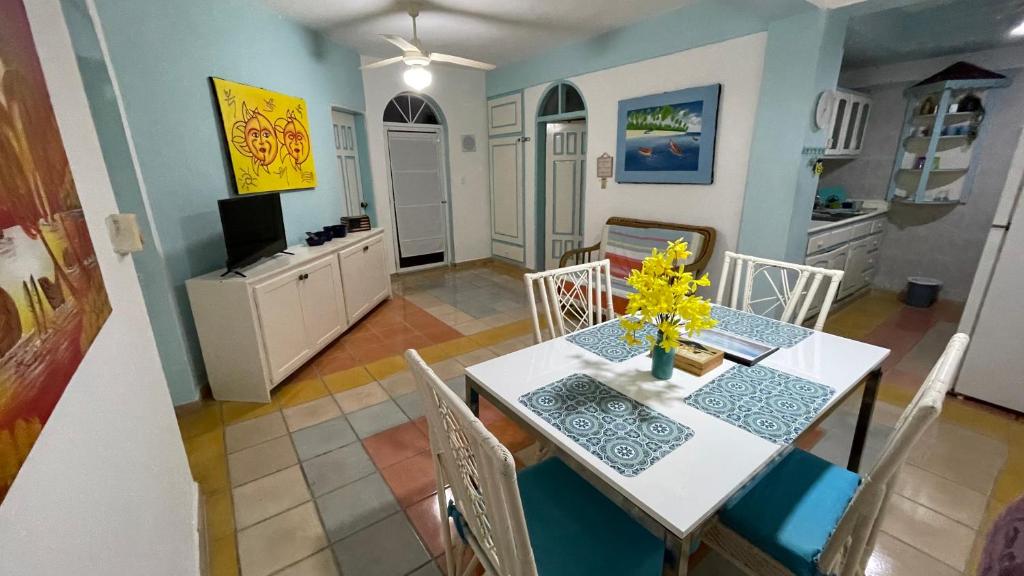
52	298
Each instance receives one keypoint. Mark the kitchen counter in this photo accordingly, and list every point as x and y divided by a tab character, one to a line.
873	208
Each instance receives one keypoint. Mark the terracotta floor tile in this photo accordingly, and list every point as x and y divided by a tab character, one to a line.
347	379
370	354
426	519
361	338
336	362
411	479
396	444
510	434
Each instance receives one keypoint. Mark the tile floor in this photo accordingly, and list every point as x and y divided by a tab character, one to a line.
334	475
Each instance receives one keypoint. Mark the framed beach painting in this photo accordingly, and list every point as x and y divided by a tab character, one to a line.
668	138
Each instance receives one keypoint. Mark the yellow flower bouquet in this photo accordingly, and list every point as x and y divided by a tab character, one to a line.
665	296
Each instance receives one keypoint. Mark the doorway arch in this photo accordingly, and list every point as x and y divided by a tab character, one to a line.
419	190
561	148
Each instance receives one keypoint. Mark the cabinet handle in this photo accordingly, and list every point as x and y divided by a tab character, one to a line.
303	276
365	248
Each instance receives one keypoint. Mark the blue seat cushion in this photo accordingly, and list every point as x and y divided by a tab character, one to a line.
791	512
575	530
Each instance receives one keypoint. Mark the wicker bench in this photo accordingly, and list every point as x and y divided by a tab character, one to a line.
626	241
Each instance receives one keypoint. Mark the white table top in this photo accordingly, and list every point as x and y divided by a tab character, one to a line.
693	481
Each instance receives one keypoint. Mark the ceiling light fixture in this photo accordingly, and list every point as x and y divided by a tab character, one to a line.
417	77
1018	31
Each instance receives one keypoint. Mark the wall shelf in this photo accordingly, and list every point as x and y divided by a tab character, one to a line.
942	126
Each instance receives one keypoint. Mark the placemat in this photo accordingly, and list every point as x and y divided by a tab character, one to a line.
773	405
620	431
758	328
606	341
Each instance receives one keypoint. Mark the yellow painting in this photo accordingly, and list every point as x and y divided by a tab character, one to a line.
267	137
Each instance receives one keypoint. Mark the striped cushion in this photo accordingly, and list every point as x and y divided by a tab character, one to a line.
627	246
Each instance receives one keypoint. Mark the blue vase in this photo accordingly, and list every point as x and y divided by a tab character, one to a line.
661	361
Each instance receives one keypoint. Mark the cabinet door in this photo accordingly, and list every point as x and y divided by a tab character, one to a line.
853	279
282	325
323	306
507	191
505	114
840	116
364	277
834	260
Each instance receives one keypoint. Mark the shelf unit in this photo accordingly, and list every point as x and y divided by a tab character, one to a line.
936	158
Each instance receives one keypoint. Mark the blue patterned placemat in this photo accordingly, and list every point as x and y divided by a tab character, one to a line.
606	341
622	432
758	328
773	405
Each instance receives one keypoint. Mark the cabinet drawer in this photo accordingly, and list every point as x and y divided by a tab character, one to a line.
825	240
874	242
860	230
878	225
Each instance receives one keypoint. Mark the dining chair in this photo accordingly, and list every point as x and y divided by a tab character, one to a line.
772	287
546	520
807	516
572	298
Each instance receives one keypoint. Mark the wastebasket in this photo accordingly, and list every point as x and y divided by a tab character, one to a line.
922	292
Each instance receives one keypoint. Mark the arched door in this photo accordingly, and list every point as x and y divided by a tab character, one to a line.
562	116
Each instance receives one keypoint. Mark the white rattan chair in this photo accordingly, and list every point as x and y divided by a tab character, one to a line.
779	509
572	298
777	289
547	520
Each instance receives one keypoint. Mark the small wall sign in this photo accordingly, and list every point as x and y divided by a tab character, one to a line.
605	168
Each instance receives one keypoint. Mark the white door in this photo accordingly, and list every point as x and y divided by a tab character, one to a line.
563	195
418	197
347	154
507	197
282	325
323	307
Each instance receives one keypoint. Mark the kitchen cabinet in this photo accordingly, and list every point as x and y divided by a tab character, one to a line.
257	330
852	247
850	114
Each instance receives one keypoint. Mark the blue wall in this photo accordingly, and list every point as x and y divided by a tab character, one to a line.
163	54
697	24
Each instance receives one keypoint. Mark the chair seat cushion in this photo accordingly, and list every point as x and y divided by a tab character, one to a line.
791	512
575	530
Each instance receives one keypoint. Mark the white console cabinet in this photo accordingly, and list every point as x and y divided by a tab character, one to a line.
258	329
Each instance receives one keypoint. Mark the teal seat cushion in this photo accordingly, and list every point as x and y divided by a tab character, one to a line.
791	512
575	530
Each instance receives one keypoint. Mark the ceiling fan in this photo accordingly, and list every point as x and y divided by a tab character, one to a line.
417	59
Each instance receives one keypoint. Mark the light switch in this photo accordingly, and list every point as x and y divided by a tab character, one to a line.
124	233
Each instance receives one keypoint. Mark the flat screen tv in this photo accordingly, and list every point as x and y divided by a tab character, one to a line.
253	228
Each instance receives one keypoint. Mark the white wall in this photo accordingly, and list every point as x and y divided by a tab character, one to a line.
735	64
460	94
106	488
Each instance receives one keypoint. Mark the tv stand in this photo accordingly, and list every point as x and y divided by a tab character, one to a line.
235	272
287	252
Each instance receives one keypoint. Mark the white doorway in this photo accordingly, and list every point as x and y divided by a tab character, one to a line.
563	189
347	154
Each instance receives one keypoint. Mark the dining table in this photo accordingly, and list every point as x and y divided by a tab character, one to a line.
673	452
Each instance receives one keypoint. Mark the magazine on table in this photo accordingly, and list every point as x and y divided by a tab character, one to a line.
737	348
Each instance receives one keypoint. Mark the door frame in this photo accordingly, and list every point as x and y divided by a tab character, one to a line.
363	165
540	170
446	190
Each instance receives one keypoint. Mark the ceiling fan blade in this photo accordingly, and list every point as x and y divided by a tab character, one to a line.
460	61
402	43
382	63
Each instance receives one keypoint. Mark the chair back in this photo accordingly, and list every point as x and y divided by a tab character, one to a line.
772	287
482	476
572	298
625	242
851	544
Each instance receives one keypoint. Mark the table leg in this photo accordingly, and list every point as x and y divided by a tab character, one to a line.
472	397
867	408
677	555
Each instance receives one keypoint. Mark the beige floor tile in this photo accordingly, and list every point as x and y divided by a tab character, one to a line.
319	564
497	320
965	457
361	397
893	557
268	496
249	433
310	413
929	531
460	317
475	357
398	384
280	541
945	496
260	460
448	369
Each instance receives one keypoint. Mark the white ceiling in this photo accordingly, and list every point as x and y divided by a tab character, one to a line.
495	31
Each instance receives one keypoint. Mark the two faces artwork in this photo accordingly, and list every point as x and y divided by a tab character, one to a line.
257	138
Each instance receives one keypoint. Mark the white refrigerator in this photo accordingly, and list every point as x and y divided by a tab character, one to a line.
993	370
